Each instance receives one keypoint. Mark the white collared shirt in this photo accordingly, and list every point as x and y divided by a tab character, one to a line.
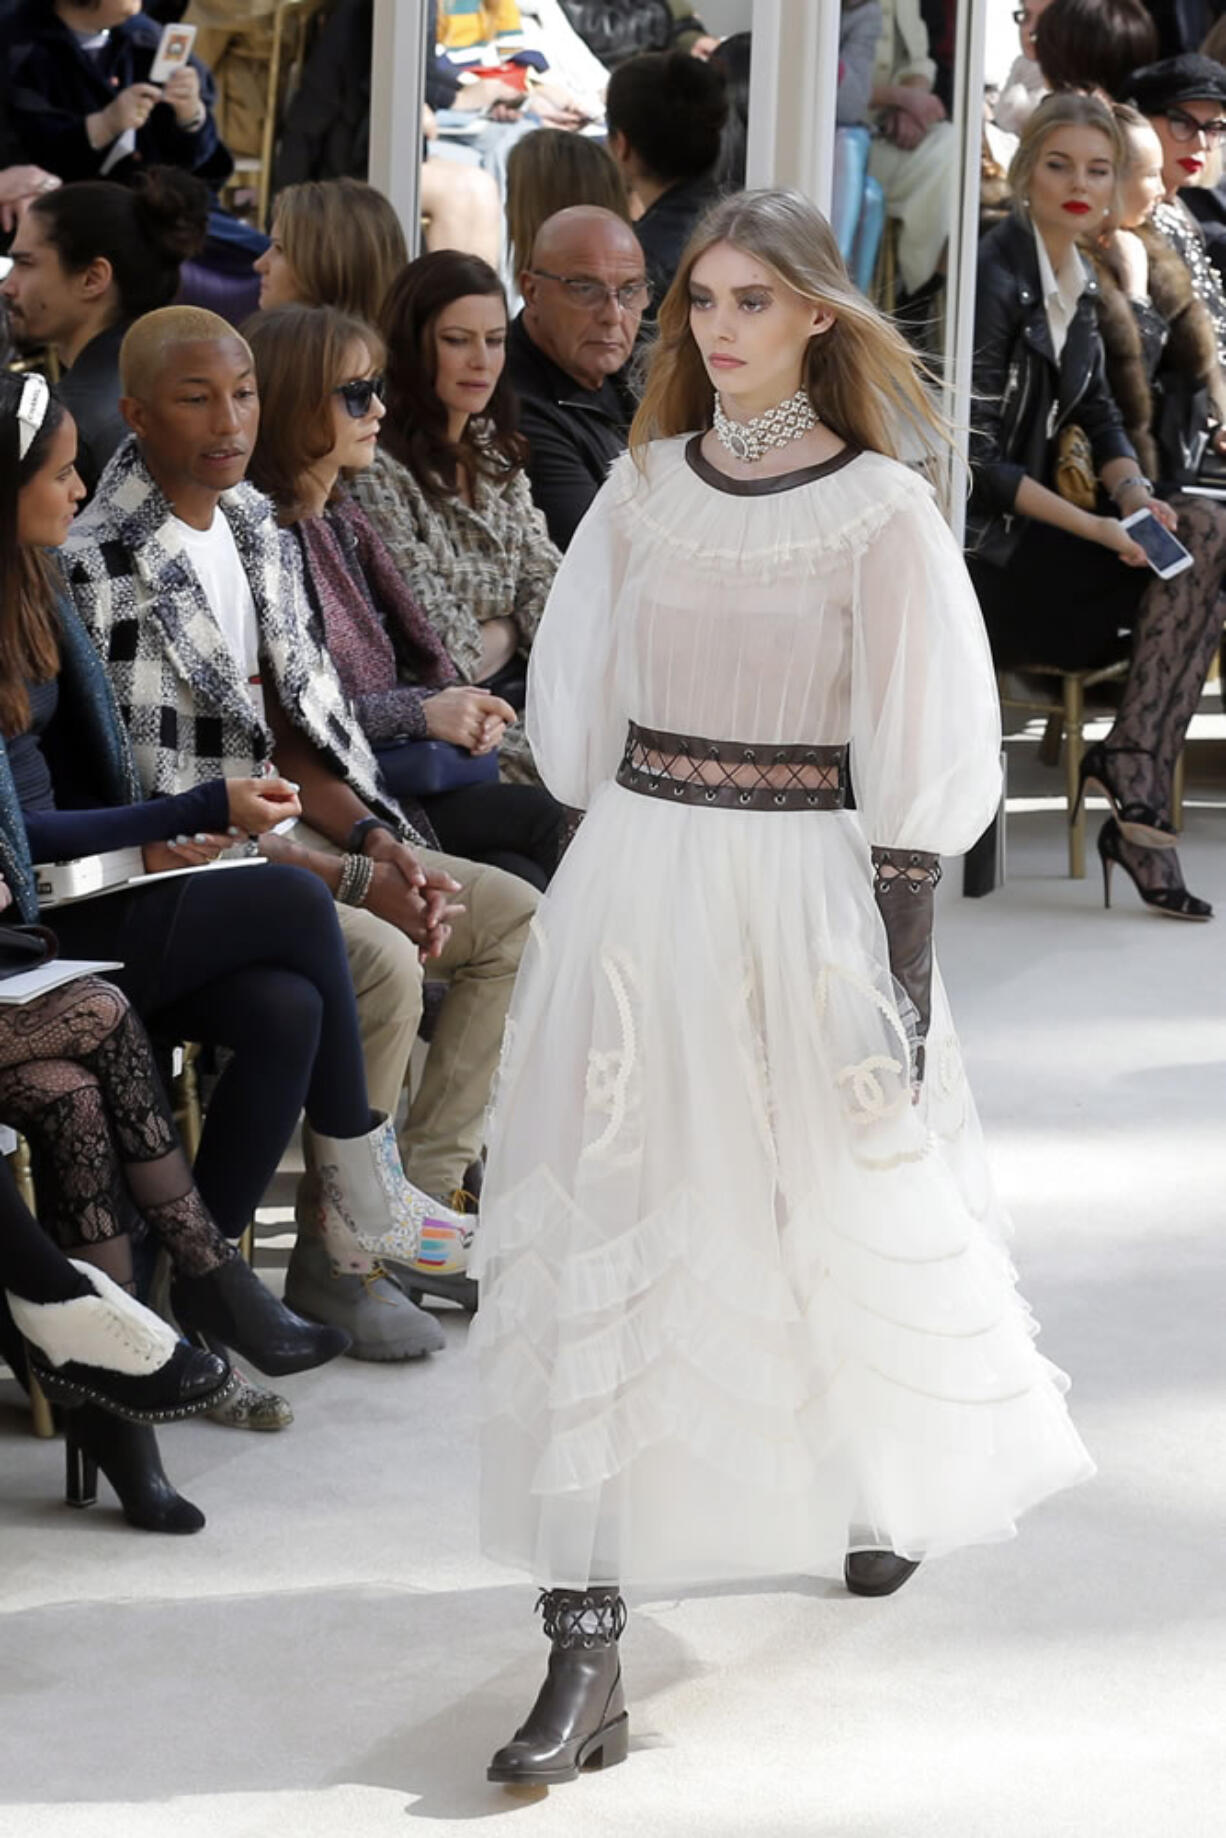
1061	292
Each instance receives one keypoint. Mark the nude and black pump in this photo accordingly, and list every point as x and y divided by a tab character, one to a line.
1172	901
579	1720
1140	823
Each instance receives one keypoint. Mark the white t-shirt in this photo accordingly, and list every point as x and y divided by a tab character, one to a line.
214	555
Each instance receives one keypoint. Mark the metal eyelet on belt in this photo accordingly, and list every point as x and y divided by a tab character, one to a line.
678	791
744	797
779	798
710	796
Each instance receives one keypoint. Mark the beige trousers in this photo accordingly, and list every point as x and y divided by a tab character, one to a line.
444	1129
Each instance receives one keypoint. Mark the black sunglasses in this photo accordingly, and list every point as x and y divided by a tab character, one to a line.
359	393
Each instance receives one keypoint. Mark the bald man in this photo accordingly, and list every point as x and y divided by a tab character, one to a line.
196	601
567	353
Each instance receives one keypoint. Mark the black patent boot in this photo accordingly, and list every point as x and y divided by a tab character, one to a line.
877	1572
579	1719
231	1306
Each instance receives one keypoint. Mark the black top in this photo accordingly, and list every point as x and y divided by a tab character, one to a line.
665	227
574	434
698	462
90	392
31	779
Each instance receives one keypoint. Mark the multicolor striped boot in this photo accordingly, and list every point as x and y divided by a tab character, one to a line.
366	1193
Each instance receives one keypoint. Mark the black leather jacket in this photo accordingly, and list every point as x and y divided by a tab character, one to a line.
1021	396
617	29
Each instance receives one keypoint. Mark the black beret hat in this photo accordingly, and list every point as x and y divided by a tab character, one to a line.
1172	80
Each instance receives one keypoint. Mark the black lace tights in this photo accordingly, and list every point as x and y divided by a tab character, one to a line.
77	1078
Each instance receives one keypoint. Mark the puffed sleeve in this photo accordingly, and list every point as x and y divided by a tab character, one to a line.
925	714
576	712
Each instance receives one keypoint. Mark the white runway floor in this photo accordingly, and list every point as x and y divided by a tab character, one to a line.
331	1658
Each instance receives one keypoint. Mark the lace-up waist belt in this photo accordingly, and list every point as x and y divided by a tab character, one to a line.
683	769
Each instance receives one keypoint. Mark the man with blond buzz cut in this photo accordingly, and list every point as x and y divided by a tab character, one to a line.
584	292
196	601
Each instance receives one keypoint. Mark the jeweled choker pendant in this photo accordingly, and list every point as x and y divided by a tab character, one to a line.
778	427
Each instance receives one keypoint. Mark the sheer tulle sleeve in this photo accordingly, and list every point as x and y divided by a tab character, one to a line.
576	713
925	715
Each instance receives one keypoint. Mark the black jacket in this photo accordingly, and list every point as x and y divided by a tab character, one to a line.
665	227
618	29
90	392
574	434
327	125
1020	396
52	85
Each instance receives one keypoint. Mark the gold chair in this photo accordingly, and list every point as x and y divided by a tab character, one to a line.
286	49
41	1420
1066	720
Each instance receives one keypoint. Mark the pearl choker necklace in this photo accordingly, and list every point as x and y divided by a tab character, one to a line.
778	427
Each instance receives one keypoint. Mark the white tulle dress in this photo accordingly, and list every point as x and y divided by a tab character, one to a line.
744	1305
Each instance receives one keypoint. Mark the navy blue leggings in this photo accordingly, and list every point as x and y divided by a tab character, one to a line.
253	960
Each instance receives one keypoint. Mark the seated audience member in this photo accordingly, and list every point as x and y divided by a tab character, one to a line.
1025	85
19	186
666	113
1094	44
567	354
80	102
87	261
912	157
617	29
1184	101
547	172
253	962
318	379
1045	561
196	602
447	491
335	242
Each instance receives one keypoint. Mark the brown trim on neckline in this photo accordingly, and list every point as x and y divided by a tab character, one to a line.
698	462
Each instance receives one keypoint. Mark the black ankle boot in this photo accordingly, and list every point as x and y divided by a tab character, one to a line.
232	1306
127	1454
877	1572
579	1719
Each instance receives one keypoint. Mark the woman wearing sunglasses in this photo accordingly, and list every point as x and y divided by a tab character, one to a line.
322	409
1184	100
446	489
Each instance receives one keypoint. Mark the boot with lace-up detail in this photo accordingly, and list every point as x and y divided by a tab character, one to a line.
108	1349
579	1720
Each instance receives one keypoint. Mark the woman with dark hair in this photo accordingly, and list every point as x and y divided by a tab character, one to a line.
447	491
79	99
87	261
1094	44
1045	540
251	961
319	385
666	113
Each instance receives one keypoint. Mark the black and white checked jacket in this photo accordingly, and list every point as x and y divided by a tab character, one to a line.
187	711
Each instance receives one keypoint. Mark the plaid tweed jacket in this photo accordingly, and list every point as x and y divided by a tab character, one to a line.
179	692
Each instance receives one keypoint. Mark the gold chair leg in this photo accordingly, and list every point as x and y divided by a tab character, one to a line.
41	1421
1177	788
246	1244
1074	720
188	1113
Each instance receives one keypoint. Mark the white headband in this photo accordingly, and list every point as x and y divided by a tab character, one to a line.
31	411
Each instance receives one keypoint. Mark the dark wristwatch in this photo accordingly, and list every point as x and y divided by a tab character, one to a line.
355	842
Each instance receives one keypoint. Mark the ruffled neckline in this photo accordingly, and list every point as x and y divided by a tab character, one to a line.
770	484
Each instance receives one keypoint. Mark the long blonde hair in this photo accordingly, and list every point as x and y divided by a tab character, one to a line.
1065	109
343	242
861	375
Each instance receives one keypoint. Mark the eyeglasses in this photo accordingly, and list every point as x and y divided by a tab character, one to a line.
358	394
1022	17
631	296
1186	127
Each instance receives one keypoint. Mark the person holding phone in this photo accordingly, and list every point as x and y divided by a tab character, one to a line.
1060	578
81	101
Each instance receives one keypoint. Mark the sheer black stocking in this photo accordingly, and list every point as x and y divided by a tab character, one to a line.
77	1077
1153	868
1178	629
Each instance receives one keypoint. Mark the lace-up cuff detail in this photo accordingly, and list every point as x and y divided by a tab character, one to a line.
582	1618
732	774
919	870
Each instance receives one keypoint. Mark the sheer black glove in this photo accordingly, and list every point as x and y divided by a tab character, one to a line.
904	883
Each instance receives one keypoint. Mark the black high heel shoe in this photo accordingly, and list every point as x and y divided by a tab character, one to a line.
876	1573
1139	823
231	1306
1172	902
127	1454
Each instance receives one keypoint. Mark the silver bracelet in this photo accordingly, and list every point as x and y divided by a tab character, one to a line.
1134	478
357	873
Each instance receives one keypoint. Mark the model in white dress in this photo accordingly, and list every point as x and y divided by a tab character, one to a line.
744	1304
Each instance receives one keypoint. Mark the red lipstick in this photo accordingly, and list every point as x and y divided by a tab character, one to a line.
1076	208
1191	163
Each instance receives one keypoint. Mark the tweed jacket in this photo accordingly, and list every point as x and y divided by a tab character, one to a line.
464	565
187	711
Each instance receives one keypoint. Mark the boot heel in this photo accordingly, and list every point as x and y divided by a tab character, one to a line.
1108	871
608	1746
82	1474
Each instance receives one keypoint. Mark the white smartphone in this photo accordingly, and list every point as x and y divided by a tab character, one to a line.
174	49
1165	553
